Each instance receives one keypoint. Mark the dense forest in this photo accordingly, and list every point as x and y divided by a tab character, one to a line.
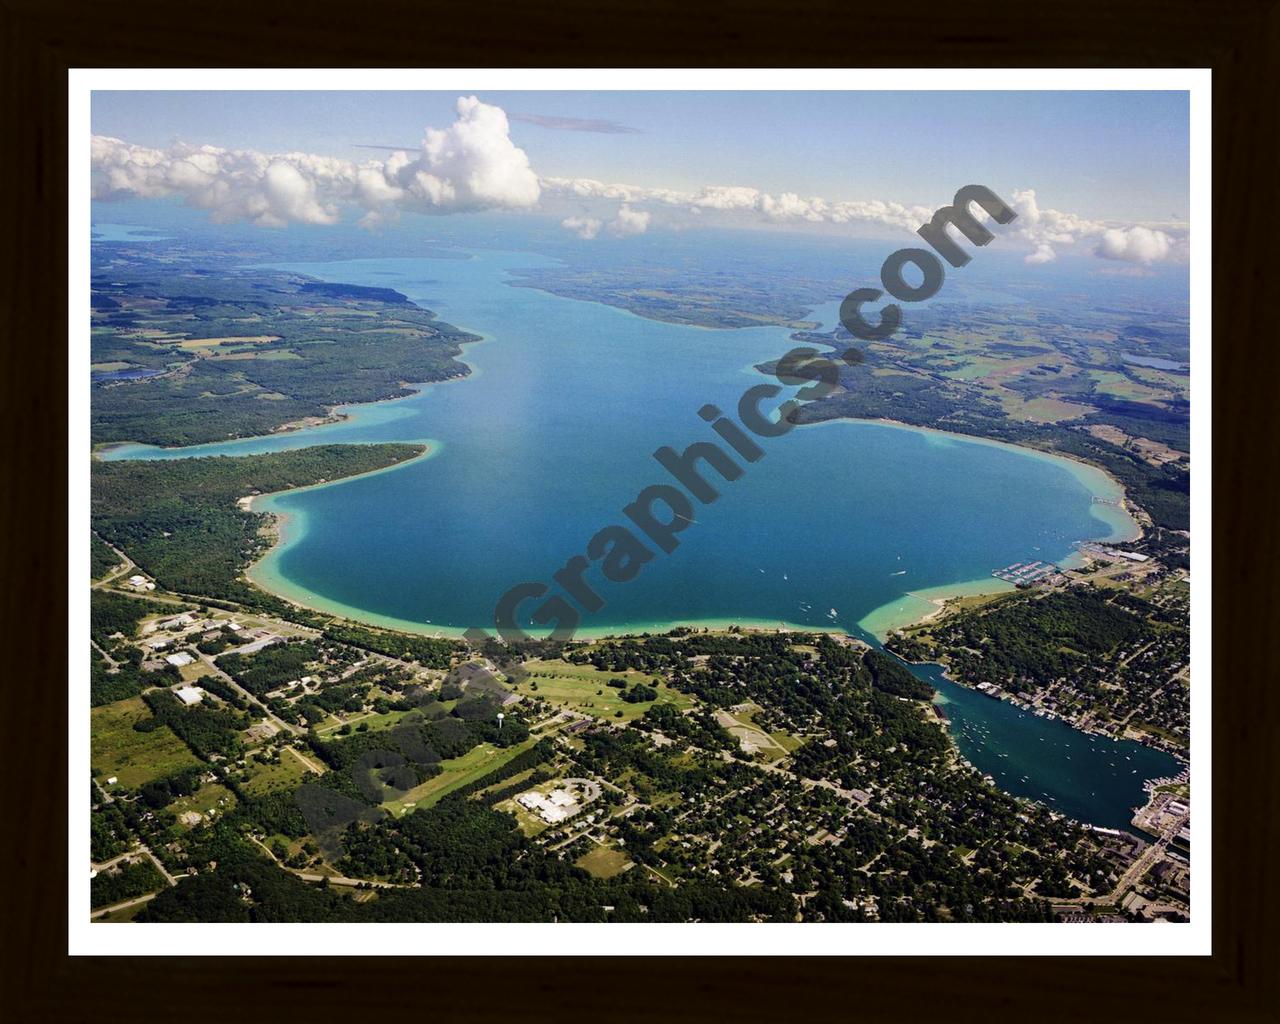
1038	640
430	652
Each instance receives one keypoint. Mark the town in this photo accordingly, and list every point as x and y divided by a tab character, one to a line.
718	770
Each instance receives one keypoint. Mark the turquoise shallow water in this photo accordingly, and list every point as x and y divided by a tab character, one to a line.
552	435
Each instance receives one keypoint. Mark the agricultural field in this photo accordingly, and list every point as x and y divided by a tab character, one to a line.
216	347
133	757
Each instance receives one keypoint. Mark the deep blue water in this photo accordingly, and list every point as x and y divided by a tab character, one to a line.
553	434
1092	778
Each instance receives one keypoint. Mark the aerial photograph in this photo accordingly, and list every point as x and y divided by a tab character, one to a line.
621	506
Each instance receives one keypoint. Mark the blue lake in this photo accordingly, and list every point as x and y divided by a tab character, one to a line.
837	526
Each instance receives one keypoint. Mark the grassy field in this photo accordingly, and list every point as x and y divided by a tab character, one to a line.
576	686
123	916
374	722
196	670
475	763
603	862
265	778
209	797
116	748
1042	410
1117	384
742	724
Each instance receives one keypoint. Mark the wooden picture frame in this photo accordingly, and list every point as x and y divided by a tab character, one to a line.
1238	39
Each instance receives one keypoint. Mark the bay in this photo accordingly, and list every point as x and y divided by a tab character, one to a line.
838	525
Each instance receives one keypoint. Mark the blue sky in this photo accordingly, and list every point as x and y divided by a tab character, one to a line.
1114	156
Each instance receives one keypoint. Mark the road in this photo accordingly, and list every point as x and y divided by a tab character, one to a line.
1144	862
132	854
311	876
123	906
156	861
310	765
115	665
208	661
128	564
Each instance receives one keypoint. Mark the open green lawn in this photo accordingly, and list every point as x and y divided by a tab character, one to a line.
603	862
116	748
374	722
772	746
476	762
575	686
266	778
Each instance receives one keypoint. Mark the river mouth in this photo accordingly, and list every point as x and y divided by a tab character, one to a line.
553	433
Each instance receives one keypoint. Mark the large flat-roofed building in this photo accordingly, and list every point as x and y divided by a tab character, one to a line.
189	695
552	807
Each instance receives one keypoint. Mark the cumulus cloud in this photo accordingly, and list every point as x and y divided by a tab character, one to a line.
583	227
1047	230
1135	245
470	165
629	221
786	206
473	165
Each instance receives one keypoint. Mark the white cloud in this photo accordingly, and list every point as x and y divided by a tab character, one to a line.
1135	245
583	227
471	165
629	221
1047	230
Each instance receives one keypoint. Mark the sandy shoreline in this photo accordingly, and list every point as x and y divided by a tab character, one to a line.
919	606
910	609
